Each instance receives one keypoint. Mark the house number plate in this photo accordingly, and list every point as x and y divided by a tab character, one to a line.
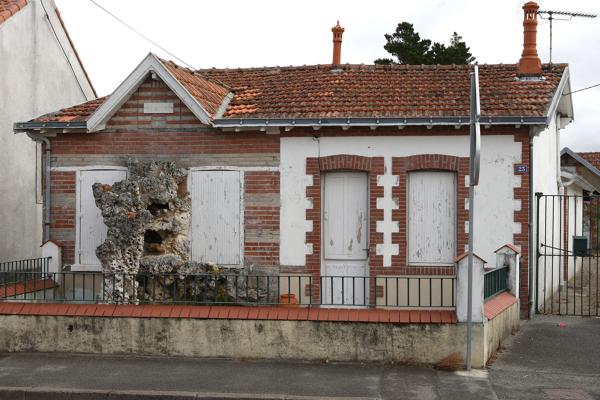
521	168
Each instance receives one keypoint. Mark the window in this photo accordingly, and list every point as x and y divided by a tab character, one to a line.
431	218
92	231
216	219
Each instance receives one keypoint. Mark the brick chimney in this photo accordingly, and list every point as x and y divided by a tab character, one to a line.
338	31
530	63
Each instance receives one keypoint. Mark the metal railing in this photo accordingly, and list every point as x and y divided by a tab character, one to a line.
18	271
495	281
237	289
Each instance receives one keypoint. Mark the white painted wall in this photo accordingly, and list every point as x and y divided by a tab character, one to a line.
495	206
35	78
545	164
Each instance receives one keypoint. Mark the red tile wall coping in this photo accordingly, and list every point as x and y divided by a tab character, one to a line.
497	304
232	312
17	289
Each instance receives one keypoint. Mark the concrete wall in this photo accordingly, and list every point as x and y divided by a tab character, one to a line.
500	328
343	341
35	78
495	203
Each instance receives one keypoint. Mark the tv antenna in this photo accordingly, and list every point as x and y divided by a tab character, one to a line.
563	16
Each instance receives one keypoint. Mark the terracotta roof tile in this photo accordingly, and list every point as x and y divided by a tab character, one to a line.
8	8
399	91
77	113
209	93
383	91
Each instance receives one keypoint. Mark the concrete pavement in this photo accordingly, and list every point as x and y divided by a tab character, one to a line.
551	358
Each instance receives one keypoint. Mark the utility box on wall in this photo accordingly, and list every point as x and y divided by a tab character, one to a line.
580	246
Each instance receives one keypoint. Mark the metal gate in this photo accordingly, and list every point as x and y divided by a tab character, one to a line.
567	277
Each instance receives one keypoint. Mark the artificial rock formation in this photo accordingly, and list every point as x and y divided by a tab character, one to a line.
145	256
148	220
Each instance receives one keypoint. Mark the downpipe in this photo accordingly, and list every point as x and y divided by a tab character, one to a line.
47	153
532	254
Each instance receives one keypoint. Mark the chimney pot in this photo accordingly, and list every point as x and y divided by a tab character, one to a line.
338	31
530	63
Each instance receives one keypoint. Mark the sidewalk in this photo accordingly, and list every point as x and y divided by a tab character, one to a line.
552	358
50	376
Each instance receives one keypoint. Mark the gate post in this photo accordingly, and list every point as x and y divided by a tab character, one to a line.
533	292
509	256
462	271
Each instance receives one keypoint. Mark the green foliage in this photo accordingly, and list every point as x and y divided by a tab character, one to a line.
407	47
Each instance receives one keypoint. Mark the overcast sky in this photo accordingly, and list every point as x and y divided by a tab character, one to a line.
247	33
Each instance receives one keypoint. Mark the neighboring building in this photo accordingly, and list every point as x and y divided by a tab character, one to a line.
569	234
39	72
346	170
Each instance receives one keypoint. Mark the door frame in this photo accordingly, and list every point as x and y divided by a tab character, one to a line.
367	229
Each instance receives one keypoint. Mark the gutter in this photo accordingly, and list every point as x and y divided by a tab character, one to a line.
28	126
48	151
371	122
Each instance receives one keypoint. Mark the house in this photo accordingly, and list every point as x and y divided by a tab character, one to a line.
40	71
326	170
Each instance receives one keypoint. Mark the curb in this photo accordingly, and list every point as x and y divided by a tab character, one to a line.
47	393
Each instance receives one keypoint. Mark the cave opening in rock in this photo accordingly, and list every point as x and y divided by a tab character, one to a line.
153	242
155	208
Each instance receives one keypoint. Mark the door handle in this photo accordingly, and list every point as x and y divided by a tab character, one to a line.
368	251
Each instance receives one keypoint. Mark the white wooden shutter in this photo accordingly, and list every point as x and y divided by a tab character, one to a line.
92	231
216	204
432	217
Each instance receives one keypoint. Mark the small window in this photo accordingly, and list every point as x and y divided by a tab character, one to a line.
431	218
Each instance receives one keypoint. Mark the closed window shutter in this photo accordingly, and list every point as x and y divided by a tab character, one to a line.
92	231
216	204
432	217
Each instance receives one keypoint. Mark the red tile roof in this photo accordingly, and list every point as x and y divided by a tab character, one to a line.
355	91
208	93
78	113
383	91
8	8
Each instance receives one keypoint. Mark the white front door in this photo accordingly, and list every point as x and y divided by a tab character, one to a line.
92	231
345	235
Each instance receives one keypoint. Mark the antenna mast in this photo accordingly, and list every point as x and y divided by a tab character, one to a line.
566	16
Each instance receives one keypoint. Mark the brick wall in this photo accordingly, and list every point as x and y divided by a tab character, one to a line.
178	137
402	166
521	240
62	213
316	166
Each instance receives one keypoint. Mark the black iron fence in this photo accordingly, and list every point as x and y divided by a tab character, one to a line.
567	276
234	289
18	271
495	282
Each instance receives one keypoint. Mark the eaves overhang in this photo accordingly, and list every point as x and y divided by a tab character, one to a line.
372	122
34	126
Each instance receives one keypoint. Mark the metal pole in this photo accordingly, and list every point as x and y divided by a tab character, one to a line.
474	155
470	277
550	19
